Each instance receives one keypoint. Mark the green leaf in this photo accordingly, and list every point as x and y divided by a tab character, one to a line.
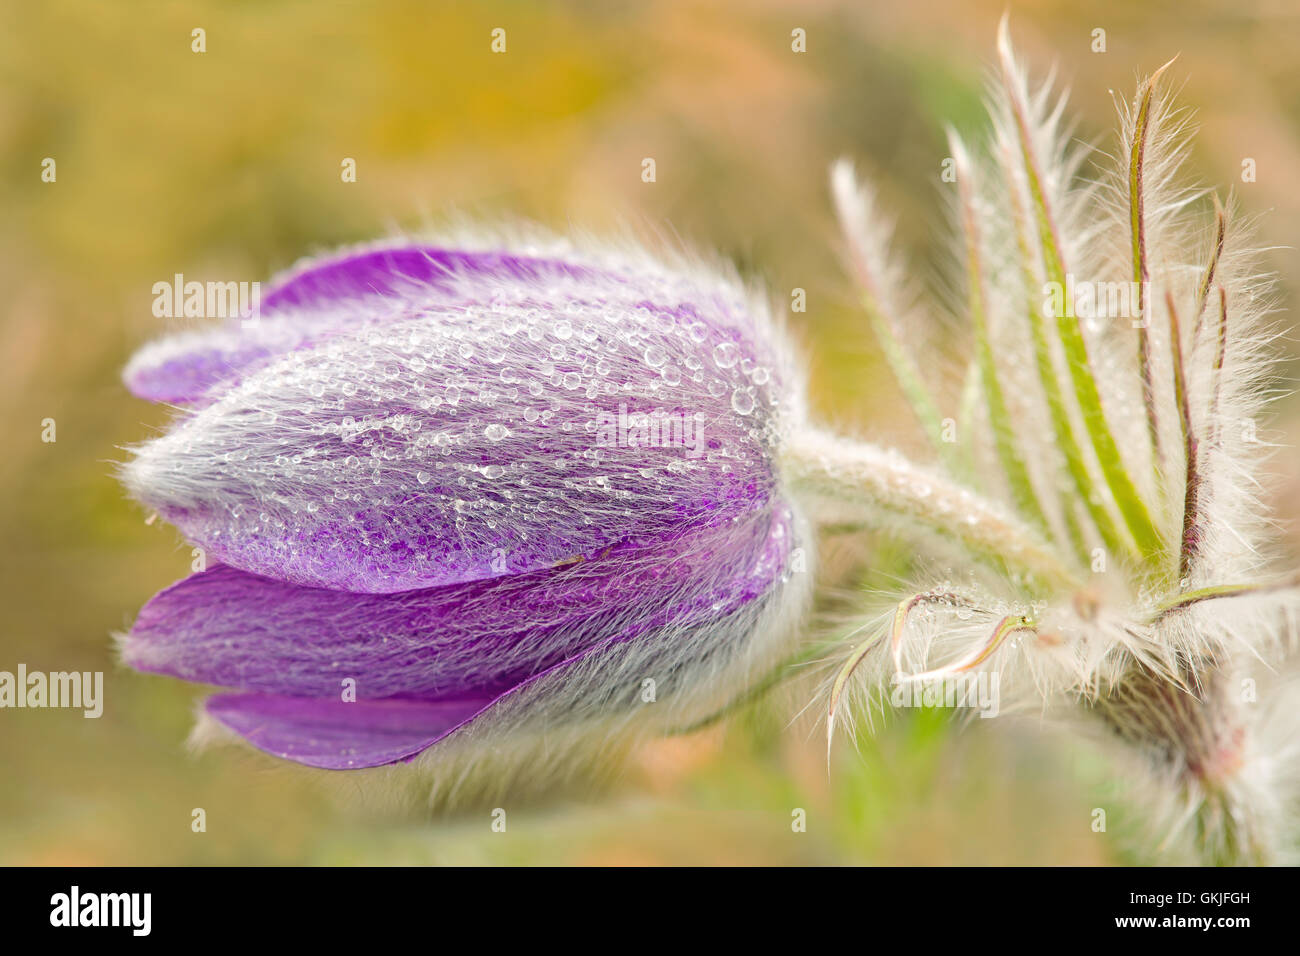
1004	434
1070	334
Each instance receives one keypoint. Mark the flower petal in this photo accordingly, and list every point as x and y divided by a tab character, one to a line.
335	735
540	423
729	633
313	302
399	271
478	639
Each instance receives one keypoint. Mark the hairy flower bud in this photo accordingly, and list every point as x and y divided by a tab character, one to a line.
468	484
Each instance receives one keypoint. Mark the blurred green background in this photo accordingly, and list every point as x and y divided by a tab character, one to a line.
227	163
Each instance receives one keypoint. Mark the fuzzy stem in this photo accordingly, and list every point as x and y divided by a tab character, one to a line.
853	481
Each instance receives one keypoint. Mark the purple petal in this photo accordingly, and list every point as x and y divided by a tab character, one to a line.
336	735
695	622
396	271
184	367
314	302
541	419
233	629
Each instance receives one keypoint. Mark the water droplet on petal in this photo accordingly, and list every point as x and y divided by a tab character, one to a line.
726	354
742	402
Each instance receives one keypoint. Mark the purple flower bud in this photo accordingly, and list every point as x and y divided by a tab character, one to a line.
472	486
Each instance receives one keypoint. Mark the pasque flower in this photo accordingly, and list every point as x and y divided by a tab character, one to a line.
505	494
502	491
498	489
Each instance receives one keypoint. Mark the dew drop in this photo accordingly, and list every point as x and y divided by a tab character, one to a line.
742	402
726	354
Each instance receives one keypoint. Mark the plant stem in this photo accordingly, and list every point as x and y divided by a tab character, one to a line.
845	481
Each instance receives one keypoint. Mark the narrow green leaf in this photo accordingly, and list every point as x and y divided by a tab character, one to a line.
1070	333
970	397
1190	543
913	386
1214	592
869	260
1141	274
1203	293
1004	433
1009	625
1220	353
841	683
1075	464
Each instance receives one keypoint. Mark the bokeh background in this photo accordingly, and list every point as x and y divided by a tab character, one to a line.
227	164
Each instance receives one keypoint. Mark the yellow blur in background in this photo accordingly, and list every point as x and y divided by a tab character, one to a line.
227	163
